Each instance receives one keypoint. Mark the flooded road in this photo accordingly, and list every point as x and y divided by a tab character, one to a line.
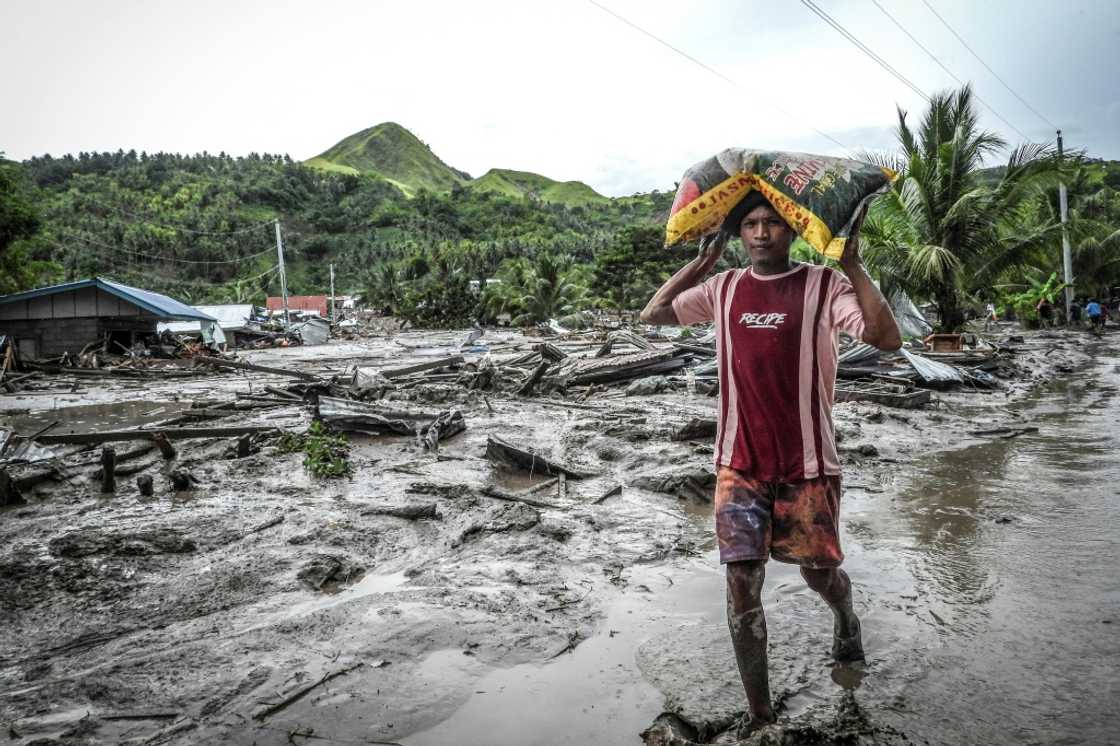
986	577
1013	548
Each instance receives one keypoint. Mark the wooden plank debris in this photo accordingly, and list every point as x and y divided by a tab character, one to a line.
175	433
239	365
527	459
888	394
408	370
534	378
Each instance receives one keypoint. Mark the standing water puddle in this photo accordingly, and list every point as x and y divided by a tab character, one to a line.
88	418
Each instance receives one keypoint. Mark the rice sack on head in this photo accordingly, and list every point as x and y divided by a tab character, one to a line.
817	195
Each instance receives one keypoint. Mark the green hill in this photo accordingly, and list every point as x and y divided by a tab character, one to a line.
392	152
522	184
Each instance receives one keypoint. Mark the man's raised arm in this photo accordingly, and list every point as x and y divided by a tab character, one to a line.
880	328
659	310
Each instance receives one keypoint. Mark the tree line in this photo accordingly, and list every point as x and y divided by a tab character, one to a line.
952	231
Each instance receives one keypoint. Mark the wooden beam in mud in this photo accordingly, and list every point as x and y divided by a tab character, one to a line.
528	459
238	365
175	433
408	370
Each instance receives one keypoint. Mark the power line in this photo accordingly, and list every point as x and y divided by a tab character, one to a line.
985	64
712	70
933	57
92	242
864	48
134	216
115	267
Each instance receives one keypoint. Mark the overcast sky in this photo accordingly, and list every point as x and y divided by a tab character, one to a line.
560	88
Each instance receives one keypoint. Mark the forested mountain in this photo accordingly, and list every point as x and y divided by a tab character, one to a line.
527	184
200	227
412	233
395	154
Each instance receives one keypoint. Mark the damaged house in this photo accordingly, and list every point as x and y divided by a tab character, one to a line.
50	321
237	323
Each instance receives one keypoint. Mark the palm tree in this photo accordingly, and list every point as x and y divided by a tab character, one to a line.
940	233
553	290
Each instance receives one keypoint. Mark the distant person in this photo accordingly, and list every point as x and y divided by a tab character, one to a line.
1075	312
1095	312
1045	313
990	316
777	488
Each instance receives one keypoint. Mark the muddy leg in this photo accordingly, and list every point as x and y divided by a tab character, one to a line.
835	588
747	621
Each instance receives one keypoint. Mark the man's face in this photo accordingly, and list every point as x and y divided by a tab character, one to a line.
766	236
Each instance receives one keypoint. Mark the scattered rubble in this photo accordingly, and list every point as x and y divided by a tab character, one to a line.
495	490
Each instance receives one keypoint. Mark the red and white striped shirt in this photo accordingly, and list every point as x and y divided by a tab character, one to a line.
777	344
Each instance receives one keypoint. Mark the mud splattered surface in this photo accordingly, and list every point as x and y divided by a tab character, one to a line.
212	615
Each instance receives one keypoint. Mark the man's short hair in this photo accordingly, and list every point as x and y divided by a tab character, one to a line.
734	218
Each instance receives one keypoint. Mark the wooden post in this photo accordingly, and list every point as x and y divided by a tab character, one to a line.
108	469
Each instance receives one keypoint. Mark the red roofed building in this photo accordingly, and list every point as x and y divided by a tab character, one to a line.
314	303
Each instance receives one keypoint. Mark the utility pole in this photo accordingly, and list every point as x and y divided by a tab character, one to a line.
1067	255
283	275
334	316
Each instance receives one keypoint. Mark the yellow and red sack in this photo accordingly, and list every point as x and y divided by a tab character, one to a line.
819	196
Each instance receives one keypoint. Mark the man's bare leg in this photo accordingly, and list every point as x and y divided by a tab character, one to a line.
747	622
835	588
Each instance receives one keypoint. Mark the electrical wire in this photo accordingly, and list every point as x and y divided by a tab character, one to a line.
134	216
986	105
863	48
713	71
114	266
160	257
986	66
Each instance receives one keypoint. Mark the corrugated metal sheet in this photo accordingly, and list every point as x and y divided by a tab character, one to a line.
857	353
931	370
230	318
85	296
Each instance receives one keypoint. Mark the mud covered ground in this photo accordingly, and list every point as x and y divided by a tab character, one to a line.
268	606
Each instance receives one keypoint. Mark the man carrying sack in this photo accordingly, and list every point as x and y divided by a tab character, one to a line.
778	474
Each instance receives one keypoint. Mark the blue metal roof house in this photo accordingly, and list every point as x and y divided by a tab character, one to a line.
50	321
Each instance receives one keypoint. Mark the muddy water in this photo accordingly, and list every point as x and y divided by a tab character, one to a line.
986	578
1013	547
87	418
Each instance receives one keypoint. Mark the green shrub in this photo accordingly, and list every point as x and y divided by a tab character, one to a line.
326	453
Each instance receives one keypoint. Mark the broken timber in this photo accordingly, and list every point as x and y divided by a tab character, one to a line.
887	394
625	367
528	460
408	370
355	416
177	433
238	365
